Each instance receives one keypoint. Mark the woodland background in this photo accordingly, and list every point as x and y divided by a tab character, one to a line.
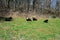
46	8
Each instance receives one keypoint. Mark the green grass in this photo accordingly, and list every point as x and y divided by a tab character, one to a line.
20	29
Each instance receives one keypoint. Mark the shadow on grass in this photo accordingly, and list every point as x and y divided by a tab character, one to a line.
2	19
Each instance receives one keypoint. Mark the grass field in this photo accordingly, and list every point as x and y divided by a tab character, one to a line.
20	29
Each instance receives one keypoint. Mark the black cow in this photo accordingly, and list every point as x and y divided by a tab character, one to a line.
28	19
46	21
8	19
34	19
53	16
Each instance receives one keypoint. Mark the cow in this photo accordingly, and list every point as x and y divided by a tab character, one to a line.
46	21
8	19
28	19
